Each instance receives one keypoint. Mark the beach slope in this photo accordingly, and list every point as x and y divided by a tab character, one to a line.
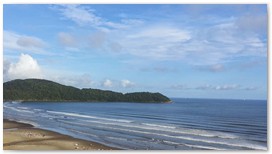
20	136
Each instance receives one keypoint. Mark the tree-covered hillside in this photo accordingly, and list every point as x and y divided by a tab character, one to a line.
44	90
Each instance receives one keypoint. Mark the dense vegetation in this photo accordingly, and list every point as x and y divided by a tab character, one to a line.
44	90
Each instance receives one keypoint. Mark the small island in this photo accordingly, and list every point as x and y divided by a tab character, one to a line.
41	90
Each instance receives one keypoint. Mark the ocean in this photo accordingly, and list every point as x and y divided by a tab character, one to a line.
185	124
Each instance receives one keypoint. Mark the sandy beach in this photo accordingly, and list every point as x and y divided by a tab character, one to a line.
20	136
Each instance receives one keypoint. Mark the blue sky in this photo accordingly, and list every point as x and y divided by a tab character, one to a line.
191	51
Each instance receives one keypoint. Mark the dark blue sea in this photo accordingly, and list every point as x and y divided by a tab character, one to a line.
186	124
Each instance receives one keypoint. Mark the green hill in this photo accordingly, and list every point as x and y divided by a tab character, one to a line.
44	90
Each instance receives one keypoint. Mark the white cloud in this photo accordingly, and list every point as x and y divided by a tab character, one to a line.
66	39
210	68
115	25
212	45
156	42
217	68
79	14
115	47
224	87
14	41
258	25
251	88
231	41
127	83
219	42
97	39
79	81
26	67
220	87
209	46
6	65
84	16
159	32
27	41
107	83
227	87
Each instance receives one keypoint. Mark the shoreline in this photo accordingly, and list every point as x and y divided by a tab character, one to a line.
23	136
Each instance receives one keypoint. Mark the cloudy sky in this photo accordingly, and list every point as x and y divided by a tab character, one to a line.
192	51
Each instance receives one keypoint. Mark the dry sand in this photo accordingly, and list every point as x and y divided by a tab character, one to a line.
20	136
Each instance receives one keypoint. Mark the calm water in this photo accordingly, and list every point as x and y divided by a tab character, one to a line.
187	124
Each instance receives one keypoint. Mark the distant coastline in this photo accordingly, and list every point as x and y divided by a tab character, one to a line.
39	90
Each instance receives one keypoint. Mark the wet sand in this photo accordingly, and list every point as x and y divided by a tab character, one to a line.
20	136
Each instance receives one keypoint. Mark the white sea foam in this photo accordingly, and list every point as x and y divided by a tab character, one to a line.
9	107
37	110
16	102
234	143
161	126
90	117
203	147
193	146
117	138
207	140
24	108
28	122
166	129
191	131
20	110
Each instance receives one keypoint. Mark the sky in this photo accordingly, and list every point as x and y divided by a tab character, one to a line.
188	51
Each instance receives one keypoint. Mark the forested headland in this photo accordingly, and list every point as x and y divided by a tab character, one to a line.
49	91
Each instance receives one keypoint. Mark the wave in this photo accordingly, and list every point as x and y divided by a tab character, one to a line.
12	102
152	126
208	135
171	129
209	125
24	108
194	146
38	110
16	102
19	110
233	143
161	126
194	132
90	117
